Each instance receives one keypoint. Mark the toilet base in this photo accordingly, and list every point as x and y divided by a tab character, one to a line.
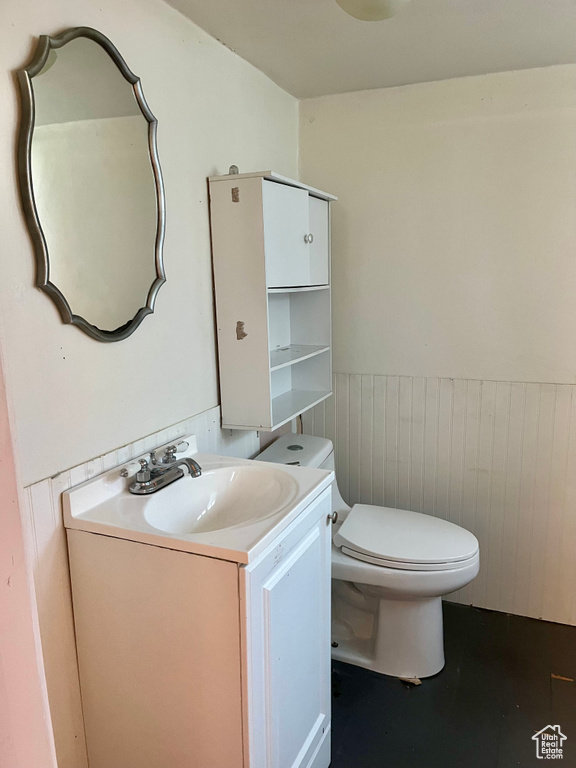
406	637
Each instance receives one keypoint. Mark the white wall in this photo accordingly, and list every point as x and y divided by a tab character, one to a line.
498	458
455	231
25	729
75	398
454	275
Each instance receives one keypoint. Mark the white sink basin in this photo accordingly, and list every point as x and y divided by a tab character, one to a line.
219	498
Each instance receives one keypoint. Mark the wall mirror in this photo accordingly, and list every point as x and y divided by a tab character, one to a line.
91	183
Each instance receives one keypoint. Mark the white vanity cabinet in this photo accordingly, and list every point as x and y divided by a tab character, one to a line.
271	253
191	661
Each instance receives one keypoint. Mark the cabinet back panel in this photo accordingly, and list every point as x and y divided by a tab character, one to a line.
279	320
313	374
281	381
310	317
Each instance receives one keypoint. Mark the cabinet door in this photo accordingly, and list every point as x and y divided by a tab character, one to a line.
318	216
285	212
288	647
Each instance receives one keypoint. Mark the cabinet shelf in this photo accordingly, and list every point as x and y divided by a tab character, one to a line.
299	289
293	402
295	353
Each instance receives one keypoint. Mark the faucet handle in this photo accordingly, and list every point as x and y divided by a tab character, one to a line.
143	476
169	455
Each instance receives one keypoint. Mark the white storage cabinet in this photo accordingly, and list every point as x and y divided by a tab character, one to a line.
195	662
271	252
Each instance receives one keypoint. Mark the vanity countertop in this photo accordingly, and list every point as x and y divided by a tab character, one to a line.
103	505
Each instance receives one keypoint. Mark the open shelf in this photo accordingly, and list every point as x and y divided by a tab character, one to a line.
293	402
297	387
294	353
298	325
299	289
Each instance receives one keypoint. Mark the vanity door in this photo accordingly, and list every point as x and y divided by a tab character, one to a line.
287	647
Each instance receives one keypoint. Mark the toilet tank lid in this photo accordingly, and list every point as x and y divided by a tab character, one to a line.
308	450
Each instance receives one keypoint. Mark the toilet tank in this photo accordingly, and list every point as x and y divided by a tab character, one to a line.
328	462
303	450
307	451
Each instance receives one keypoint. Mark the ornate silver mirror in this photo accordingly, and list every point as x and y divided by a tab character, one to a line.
91	183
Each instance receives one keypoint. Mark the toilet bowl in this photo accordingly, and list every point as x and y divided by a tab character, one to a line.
390	570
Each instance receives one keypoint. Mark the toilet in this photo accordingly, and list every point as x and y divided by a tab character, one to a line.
390	570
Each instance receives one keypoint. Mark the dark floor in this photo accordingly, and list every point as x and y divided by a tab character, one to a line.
495	692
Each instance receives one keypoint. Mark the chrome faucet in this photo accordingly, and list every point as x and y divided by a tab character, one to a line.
152	479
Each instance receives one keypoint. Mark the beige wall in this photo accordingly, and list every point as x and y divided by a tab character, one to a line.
455	231
25	729
498	458
75	398
454	272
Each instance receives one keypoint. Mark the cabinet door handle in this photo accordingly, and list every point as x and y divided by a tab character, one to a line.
309	238
333	518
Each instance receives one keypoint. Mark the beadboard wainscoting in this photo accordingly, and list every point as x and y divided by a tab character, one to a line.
42	517
498	458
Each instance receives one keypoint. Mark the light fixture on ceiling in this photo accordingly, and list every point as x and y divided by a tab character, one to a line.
372	10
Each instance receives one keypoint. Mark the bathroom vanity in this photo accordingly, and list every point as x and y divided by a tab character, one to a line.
206	644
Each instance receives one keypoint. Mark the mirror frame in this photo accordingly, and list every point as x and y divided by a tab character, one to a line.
28	113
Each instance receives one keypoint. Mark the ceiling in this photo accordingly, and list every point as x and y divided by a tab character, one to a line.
313	48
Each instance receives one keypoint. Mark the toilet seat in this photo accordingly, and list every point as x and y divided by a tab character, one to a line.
381	562
396	538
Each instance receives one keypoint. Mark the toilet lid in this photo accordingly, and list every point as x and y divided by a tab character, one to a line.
403	538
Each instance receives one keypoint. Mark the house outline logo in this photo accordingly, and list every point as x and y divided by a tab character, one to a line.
549	743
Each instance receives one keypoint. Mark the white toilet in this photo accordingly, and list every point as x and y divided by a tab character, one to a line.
390	569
